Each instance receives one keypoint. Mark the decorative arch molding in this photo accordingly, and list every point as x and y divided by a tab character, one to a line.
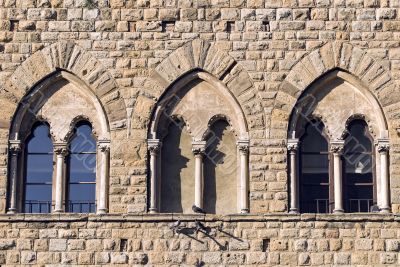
171	97
366	71
31	105
69	57
201	56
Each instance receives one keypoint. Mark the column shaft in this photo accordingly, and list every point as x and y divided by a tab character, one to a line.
243	146
337	150
60	151
15	149
294	198
104	147
383	148
198	194
198	151
154	147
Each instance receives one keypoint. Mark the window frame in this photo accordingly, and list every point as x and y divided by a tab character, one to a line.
346	185
24	171
67	189
330	167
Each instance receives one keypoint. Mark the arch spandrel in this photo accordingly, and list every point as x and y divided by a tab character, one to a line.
71	58
366	73
60	100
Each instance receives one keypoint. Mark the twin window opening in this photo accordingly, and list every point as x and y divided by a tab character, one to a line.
80	171
316	169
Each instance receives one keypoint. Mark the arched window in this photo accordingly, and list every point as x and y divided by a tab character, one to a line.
358	164
38	171
315	183
81	190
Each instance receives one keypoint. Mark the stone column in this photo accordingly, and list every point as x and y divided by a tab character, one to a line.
383	149
198	151
61	151
14	149
243	147
104	147
292	146
154	146
337	147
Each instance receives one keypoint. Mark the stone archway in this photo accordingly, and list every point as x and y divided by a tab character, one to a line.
331	56
69	57
201	60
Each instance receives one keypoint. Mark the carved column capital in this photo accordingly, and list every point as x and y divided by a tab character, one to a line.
337	146
104	145
383	145
243	146
61	149
15	146
293	144
154	145
199	147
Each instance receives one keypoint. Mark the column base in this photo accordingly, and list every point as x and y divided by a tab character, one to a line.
12	211
101	211
294	211
57	211
338	211
384	210
153	210
244	211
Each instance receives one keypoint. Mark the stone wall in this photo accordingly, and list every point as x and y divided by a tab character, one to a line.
284	240
266	53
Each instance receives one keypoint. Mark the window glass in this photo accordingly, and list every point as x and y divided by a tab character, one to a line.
82	170
358	164
39	170
314	167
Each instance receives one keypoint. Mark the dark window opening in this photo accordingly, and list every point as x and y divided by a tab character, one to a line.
358	165
81	195
38	171
314	169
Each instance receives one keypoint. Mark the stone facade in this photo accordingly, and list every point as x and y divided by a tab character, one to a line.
119	59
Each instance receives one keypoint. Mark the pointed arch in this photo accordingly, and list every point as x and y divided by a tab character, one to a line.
366	71
69	57
200	56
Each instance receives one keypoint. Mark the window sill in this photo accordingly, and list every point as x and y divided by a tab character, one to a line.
170	217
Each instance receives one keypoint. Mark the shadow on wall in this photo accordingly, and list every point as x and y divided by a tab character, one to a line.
177	166
220	166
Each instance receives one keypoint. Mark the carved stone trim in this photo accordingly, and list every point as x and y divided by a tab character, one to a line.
15	146
104	145
383	145
61	149
199	147
154	145
293	144
337	146
243	146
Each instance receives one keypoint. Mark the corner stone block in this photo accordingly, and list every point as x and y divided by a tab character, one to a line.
240	83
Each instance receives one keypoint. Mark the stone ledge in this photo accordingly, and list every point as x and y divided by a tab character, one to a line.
169	217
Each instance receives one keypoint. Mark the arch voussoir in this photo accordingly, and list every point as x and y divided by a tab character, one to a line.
334	55
67	56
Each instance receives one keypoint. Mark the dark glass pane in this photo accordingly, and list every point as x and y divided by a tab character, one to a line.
82	170
82	198
358	166
313	140
82	192
38	192
40	141
39	170
83	141
314	170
